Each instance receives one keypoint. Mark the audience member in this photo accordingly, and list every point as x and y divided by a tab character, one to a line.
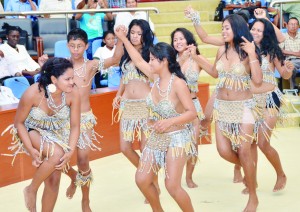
124	18
20	6
116	3
18	60
291	47
5	73
91	23
290	11
55	5
107	50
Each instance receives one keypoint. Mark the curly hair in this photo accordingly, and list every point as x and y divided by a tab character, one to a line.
53	67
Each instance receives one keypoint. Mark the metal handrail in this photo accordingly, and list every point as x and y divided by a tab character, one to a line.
281	2
66	12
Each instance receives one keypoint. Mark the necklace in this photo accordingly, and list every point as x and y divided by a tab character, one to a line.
51	104
164	93
81	71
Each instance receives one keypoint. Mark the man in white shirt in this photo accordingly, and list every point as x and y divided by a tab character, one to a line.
55	5
124	18
4	71
7	96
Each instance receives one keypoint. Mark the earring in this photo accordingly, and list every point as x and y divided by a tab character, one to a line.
51	88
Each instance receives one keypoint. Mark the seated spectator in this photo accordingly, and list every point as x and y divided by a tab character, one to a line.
20	6
290	11
124	18
5	73
18	60
107	50
291	47
55	5
91	23
116	3
7	96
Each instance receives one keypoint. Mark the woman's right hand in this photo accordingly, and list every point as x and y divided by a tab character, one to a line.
116	102
36	160
121	32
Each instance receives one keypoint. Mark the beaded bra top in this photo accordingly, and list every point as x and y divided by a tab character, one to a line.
164	109
130	73
268	74
234	78
192	77
38	119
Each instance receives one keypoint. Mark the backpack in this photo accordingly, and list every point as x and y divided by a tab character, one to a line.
219	11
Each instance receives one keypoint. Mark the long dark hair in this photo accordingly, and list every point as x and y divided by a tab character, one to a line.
269	43
239	28
163	50
189	37
147	41
53	67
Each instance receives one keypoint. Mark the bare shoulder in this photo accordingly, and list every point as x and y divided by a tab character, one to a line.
179	83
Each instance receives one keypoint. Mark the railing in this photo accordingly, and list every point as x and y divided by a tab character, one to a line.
281	2
66	12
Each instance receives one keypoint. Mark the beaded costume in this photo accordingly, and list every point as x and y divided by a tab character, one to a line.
269	102
231	114
192	83
87	123
53	129
179	142
133	113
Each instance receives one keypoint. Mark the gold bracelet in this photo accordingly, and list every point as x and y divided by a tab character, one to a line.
253	61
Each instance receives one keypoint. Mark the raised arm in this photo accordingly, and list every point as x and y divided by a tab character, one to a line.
261	13
190	13
134	54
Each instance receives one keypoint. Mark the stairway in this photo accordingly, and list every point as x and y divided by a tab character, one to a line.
171	16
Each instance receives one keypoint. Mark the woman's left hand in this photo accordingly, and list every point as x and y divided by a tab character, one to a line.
121	32
162	126
64	162
247	46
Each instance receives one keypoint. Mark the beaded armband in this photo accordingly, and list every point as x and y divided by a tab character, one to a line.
194	16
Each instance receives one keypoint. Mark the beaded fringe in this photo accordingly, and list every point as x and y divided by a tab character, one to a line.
84	180
87	122
18	147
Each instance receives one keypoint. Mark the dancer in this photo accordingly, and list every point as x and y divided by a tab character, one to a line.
131	96
171	111
266	35
47	128
234	105
191	62
84	71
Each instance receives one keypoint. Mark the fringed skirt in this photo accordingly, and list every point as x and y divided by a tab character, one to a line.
133	115
48	140
269	104
88	137
230	115
178	142
199	110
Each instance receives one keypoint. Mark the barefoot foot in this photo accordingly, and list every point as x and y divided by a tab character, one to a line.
251	205
237	175
190	183
86	206
280	183
30	199
246	190
71	190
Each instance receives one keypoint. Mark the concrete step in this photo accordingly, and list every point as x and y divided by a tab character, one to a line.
167	28
176	17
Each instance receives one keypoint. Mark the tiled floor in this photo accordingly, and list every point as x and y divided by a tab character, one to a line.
114	189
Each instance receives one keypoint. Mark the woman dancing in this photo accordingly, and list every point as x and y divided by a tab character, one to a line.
47	128
171	112
191	63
